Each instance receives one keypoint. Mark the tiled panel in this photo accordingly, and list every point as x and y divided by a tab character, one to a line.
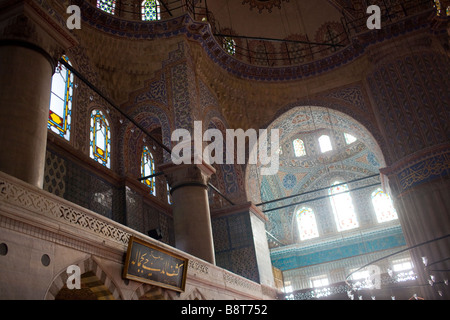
233	245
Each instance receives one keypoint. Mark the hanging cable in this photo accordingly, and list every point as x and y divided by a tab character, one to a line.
112	104
322	197
316	190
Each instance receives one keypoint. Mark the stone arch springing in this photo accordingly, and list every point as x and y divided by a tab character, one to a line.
93	276
149	292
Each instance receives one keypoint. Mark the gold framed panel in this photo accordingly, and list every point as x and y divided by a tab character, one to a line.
147	263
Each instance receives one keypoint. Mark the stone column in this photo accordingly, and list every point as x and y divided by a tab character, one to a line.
409	89
31	42
191	215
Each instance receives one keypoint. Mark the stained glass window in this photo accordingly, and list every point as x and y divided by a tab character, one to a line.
108	6
307	226
151	10
437	4
147	169
440	10
229	45
382	204
60	112
342	205
100	138
325	143
169	197
299	148
349	138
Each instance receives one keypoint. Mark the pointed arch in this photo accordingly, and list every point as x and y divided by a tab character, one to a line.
94	277
150	117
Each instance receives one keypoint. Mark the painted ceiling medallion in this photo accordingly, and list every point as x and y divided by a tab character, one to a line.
264	4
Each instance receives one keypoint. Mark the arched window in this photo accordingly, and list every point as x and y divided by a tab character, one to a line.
229	45
151	10
148	169
349	138
325	143
100	138
382	204
108	6
306	222
341	202
299	147
440	10
60	112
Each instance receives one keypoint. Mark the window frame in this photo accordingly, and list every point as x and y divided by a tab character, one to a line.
63	130
150	182
315	228
337	211
109	8
94	154
156	6
379	215
322	147
302	146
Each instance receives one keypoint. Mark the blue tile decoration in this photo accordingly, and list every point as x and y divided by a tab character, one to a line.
289	181
233	245
298	256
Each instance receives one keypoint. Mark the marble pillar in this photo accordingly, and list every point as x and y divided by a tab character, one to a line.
31	42
191	215
409	89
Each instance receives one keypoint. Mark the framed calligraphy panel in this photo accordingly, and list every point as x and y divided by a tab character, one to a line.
147	263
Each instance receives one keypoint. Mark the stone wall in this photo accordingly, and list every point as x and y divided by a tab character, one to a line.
42	234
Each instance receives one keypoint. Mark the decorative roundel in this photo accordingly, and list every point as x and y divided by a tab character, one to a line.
289	181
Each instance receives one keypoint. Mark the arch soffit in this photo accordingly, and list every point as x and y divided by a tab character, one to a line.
85	265
312	116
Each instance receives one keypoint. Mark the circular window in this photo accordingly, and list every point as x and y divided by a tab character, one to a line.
45	260
3	249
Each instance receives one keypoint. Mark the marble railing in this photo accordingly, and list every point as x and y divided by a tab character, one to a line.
27	210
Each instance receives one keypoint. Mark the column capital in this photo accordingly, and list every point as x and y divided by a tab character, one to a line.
191	216
187	174
26	23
